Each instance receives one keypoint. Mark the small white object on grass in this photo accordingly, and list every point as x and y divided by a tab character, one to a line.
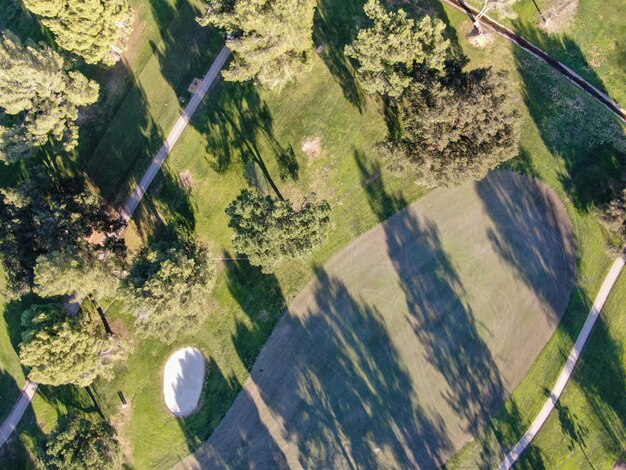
183	380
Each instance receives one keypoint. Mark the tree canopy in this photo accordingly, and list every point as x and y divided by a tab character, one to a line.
268	230
61	349
75	273
96	30
458	130
168	288
395	48
78	444
273	38
44	214
39	98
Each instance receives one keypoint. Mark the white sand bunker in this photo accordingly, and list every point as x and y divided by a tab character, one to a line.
183	380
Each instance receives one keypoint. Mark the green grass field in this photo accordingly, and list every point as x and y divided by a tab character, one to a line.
593	45
568	141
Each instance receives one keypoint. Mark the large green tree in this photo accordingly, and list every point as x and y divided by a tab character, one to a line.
394	49
44	214
96	30
79	444
169	287
273	40
268	230
62	349
39	98
458	130
78	274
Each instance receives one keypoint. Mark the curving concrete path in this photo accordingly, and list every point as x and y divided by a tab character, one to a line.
18	411
566	373
131	204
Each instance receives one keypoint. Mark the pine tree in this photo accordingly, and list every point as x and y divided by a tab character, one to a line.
43	214
60	349
268	229
169	288
39	98
275	38
78	443
96	30
75	273
395	49
459	130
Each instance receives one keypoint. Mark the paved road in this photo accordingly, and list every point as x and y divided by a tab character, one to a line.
566	373
135	198
18	411
131	204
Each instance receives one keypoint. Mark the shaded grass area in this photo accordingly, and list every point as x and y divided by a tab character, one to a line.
594	45
157	94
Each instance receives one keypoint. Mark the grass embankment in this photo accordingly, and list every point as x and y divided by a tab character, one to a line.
593	43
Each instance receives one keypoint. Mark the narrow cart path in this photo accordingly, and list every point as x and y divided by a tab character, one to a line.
566	373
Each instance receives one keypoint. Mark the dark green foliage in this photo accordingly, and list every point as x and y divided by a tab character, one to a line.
62	349
39	98
274	42
79	444
169	288
458	128
268	230
44	214
395	50
613	215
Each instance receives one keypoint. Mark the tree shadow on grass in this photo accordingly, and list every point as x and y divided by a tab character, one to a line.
335	25
126	147
238	127
574	127
382	203
332	386
183	37
167	203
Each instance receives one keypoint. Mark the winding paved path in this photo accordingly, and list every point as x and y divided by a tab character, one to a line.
131	204
566	373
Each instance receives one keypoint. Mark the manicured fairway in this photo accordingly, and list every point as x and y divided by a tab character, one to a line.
409	338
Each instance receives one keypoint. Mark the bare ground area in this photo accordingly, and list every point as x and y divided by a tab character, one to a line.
408	339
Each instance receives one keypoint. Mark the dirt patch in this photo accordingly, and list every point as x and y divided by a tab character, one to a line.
481	40
186	180
312	146
559	16
410	338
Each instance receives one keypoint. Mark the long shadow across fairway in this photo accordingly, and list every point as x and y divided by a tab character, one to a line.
476	390
549	273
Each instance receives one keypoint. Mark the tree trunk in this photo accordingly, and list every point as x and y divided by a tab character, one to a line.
103	317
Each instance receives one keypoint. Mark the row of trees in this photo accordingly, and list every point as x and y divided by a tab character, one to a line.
455	125
41	92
